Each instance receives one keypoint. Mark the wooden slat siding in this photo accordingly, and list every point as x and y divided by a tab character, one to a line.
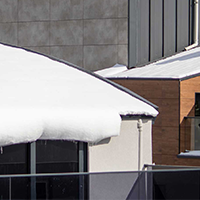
164	94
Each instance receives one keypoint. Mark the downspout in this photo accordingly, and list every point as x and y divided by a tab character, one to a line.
195	27
139	126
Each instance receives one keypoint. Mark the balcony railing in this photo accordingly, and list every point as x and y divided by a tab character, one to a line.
171	183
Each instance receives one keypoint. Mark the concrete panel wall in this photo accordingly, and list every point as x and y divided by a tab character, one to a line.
121	153
89	33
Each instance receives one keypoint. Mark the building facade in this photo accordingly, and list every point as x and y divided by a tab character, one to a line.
174	87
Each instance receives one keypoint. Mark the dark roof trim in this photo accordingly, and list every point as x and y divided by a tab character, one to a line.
89	72
141	78
154	78
131	117
136	117
189	77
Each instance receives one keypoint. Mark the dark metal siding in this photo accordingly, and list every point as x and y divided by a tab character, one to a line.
133	32
158	28
169	27
182	24
143	44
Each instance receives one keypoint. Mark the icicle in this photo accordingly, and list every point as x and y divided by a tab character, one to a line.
1	150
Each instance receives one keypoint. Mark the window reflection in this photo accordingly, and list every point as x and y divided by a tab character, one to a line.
56	156
13	159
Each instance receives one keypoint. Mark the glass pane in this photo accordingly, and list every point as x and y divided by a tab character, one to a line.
4	191
13	159
176	185
61	187
197	133
197	104
56	156
159	184
20	188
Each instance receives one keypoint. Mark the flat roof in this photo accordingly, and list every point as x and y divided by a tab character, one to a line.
181	66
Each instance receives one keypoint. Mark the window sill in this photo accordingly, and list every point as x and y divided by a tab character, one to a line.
189	154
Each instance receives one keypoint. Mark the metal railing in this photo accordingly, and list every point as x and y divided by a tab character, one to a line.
169	183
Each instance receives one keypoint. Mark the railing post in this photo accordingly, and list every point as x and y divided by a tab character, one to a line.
32	168
10	189
81	169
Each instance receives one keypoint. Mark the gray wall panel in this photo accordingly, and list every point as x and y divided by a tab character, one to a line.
139	32
182	24
95	55
8	33
94	9
156	30
133	32
199	25
29	10
100	31
169	27
8	11
143	46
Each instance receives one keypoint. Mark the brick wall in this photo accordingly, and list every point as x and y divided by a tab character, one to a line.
175	101
164	94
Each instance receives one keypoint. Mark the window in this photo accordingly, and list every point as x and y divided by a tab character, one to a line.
56	156
13	159
43	156
197	104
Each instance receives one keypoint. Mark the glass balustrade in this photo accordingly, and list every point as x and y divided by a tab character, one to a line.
152	183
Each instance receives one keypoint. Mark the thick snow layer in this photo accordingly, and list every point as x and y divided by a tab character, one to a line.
46	99
117	68
179	66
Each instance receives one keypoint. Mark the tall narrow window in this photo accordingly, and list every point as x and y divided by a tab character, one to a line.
197	104
196	124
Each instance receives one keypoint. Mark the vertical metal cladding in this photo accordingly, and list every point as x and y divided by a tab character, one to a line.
158	28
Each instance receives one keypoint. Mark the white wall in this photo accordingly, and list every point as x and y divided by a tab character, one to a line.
121	153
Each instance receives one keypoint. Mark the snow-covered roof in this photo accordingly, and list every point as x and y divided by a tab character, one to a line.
42	98
180	66
117	68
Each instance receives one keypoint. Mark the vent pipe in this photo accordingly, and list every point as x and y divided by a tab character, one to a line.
139	126
195	26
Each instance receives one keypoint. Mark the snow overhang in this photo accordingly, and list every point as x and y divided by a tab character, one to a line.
46	98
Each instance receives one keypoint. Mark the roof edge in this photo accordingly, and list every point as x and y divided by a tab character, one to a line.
189	77
142	78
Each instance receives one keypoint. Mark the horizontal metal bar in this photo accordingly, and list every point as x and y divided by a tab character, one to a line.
187	169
